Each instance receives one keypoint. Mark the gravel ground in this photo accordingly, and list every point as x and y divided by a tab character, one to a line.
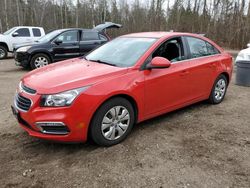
199	146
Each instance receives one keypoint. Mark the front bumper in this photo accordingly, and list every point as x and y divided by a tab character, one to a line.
22	58
75	118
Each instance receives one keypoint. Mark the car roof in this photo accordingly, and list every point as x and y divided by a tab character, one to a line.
27	27
69	29
159	34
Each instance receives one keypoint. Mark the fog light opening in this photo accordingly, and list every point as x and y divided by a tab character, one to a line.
57	128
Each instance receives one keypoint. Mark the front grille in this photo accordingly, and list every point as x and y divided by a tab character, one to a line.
27	89
22	103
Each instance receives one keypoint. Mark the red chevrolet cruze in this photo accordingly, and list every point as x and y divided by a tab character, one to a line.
128	80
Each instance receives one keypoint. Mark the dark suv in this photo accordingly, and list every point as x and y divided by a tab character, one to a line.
60	45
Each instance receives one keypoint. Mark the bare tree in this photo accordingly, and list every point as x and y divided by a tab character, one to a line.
6	14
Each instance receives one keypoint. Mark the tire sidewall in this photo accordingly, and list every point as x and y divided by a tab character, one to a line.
212	95
32	62
6	52
95	126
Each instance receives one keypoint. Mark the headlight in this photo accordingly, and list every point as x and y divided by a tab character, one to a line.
23	49
241	55
62	99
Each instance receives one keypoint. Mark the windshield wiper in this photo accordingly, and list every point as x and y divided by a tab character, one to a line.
102	62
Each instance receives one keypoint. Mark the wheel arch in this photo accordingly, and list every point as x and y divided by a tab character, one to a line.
122	95
4	45
41	52
226	75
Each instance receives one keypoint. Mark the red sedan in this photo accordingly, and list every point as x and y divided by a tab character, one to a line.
128	80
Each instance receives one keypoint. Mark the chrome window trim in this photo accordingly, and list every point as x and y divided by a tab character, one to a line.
195	58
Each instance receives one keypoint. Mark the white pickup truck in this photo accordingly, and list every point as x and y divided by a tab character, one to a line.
16	36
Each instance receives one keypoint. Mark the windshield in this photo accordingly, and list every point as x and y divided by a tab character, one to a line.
9	31
49	36
121	52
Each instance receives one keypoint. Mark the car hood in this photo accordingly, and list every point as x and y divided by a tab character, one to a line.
16	46
2	36
69	74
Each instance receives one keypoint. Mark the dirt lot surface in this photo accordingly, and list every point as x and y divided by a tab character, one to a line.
198	146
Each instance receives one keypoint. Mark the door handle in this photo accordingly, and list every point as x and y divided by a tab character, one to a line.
183	73
96	42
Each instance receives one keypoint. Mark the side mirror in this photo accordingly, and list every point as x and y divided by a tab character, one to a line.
15	34
248	45
58	41
159	63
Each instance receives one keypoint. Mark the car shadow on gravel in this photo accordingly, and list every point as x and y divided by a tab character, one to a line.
170	115
32	144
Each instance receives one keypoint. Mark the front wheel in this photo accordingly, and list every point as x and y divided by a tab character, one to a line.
39	60
3	52
219	90
112	122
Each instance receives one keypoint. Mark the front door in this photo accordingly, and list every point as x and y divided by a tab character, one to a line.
21	36
167	88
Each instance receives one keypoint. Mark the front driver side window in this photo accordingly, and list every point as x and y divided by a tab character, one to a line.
171	50
69	36
23	32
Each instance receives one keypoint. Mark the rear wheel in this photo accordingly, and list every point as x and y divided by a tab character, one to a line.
219	90
3	52
39	60
112	122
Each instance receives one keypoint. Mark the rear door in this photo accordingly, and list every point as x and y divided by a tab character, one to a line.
36	33
89	41
203	60
68	48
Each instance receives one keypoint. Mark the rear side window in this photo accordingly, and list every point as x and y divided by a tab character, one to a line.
24	32
200	48
211	49
86	36
36	32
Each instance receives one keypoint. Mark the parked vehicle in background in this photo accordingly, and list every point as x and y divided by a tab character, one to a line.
16	36
127	80
62	44
244	55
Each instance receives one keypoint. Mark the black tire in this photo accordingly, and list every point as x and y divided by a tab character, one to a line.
3	52
212	98
35	57
96	133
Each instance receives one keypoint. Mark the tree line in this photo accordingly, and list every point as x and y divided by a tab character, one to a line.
224	21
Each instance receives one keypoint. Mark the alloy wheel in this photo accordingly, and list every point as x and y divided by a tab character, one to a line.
41	62
115	122
220	89
2	53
